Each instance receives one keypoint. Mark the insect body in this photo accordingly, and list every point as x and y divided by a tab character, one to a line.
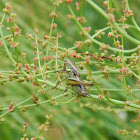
79	86
70	65
74	79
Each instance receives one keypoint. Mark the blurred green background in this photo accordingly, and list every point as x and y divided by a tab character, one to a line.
72	121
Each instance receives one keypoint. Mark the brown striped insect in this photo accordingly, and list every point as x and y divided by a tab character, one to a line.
74	79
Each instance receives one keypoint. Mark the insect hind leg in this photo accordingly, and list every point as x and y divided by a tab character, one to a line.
66	89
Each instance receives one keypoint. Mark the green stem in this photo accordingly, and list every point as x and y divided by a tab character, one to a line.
135	41
116	90
108	109
132	18
97	8
97	42
135	74
70	9
48	46
16	50
5	113
38	55
2	19
43	102
117	102
93	96
67	101
5	46
123	65
114	101
135	23
50	33
114	23
106	28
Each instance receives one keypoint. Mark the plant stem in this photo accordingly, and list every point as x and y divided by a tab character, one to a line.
97	42
5	46
97	8
40	69
132	17
114	23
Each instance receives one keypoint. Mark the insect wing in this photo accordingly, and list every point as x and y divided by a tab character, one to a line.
76	82
71	66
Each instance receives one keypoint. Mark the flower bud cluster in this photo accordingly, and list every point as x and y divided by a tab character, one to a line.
82	20
8	8
100	34
79	44
126	71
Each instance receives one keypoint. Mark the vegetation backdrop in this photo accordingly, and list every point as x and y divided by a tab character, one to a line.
101	38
